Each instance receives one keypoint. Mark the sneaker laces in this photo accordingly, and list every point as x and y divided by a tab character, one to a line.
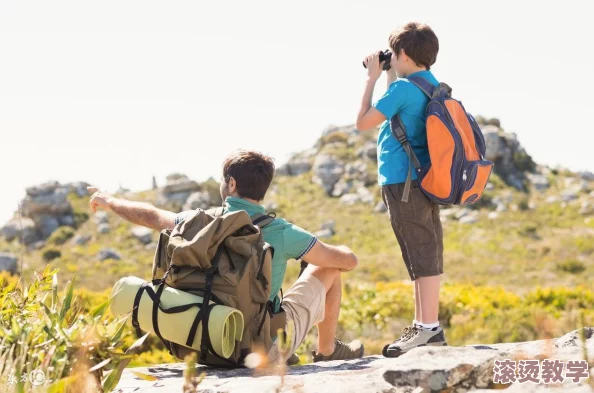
407	332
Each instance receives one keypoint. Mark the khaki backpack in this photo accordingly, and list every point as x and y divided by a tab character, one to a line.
223	259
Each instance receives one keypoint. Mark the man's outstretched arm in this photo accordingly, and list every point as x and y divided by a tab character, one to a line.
326	255
139	213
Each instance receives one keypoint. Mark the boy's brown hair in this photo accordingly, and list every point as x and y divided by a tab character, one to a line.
418	41
252	171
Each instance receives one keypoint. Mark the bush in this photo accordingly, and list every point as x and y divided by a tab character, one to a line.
42	332
80	218
50	254
571	266
524	162
61	236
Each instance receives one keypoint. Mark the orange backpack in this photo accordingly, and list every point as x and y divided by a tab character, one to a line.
458	172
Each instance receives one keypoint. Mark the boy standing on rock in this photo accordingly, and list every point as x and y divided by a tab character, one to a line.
416	223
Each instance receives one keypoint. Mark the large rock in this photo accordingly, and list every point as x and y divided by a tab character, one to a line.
108	253
177	190
587	175
143	234
101	217
46	224
78	187
327	171
451	369
295	167
540	182
368	151
180	183
20	227
46	199
198	200
510	159
8	262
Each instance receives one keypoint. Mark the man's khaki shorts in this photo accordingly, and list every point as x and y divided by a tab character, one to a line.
417	227
304	305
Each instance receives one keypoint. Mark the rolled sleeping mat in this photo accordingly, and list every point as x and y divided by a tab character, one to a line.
225	324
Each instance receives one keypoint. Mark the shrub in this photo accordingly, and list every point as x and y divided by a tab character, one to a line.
571	266
524	162
42	332
80	218
61	236
50	254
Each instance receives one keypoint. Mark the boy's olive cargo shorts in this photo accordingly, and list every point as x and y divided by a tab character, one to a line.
417	227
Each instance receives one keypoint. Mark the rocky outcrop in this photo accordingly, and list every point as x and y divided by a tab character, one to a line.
327	171
425	369
295	167
198	200
339	176
177	190
43	210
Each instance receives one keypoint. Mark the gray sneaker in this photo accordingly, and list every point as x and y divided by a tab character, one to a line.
412	337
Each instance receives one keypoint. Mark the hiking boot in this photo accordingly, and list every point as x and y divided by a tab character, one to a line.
293	360
413	337
342	351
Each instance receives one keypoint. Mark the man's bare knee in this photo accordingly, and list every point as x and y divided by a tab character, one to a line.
327	275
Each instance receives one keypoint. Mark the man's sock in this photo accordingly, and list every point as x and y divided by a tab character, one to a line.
427	326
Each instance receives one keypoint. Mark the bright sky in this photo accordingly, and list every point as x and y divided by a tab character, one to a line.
113	92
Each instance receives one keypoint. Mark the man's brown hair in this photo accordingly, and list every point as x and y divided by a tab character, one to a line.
252	171
418	41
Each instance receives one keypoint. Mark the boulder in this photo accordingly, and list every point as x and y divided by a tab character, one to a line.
468	219
180	183
20	227
142	234
8	262
324	234
197	200
569	195
586	209
368	151
80	240
107	253
46	224
43	201
295	167
101	217
79	188
327	171
103	228
540	182
46	188
380	207
424	369
587	175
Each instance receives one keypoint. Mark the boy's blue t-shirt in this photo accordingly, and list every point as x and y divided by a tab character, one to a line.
406	99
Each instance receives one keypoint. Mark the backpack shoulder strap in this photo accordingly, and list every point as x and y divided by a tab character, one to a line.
399	132
422	84
262	220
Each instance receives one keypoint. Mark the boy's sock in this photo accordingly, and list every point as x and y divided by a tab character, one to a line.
427	326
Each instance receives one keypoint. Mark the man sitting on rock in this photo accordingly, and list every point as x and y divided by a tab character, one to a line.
314	299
